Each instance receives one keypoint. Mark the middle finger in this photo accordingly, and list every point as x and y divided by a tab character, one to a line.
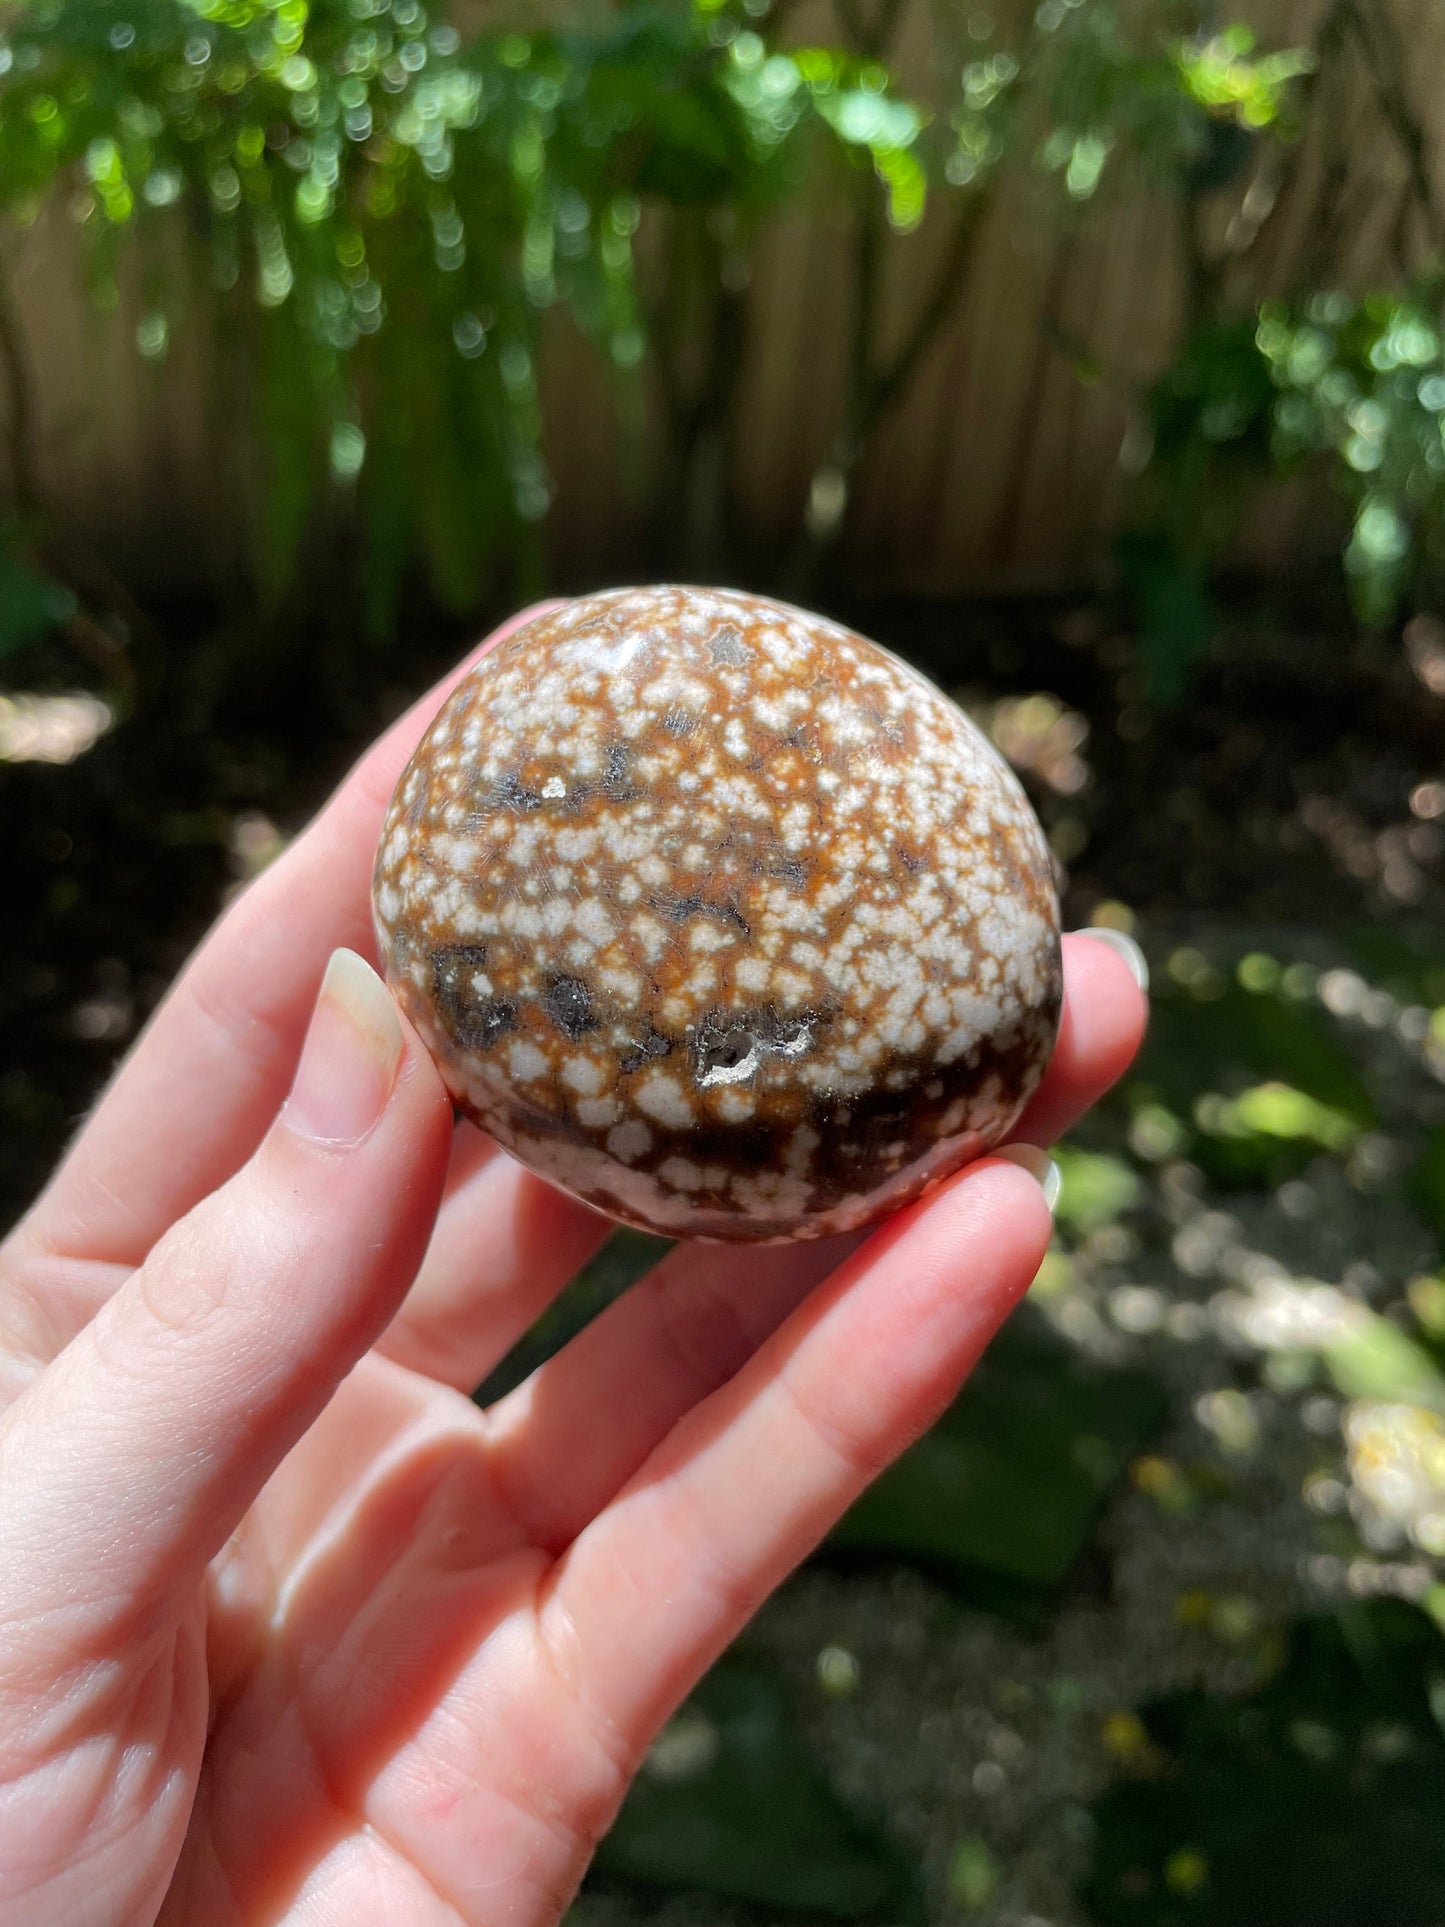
504	1245
565	1441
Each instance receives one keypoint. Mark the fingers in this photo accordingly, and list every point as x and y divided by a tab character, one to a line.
504	1246
749	1479
679	1333
195	1095
700	1314
748	1482
126	1466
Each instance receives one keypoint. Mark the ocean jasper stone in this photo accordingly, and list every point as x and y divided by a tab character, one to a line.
719	916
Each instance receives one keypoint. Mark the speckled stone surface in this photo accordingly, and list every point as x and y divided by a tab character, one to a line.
720	916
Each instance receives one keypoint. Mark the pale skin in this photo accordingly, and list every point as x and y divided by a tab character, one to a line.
291	1631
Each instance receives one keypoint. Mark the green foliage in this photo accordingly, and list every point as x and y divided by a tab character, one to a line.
1257	1083
1368	1357
1174	614
730	1803
1227	76
382	215
1409	964
32	604
1157	95
1095	91
1363	384
1355	389
1096	1188
973	1874
385	214
1314	1802
1003	1493
1209	424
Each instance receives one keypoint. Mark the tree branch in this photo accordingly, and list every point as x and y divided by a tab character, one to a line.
1385	59
870	39
1008	513
1328	225
1321	83
850	20
873	391
778	13
887	384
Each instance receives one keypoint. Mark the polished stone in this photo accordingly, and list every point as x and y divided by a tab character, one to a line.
719	916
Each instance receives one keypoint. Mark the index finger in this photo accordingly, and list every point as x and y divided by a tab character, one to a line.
199	1088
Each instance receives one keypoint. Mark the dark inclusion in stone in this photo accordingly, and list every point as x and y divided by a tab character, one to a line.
473	1022
679	909
650	1045
513	794
568	1002
617	784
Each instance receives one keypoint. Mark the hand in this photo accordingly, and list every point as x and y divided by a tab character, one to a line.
290	1631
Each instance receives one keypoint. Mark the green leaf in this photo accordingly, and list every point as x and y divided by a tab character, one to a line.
31	605
973	1874
1096	1187
729	1802
1010	1481
1239	1062
1278	1110
1371	1358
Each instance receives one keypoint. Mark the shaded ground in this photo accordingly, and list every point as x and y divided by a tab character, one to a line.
1226	1401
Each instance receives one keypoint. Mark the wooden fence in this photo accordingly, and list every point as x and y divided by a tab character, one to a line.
998	469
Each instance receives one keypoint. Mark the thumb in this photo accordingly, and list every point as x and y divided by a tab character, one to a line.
126	1466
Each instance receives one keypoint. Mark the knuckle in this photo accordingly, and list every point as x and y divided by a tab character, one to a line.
617	1754
859	1447
208	1268
185	1281
247	1025
703	1330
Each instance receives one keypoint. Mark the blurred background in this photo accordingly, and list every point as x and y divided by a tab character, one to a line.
1090	354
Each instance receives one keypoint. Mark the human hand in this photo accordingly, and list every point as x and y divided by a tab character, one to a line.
290	1630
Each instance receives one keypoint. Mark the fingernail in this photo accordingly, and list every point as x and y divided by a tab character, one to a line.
1124	947
350	1058
1039	1166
